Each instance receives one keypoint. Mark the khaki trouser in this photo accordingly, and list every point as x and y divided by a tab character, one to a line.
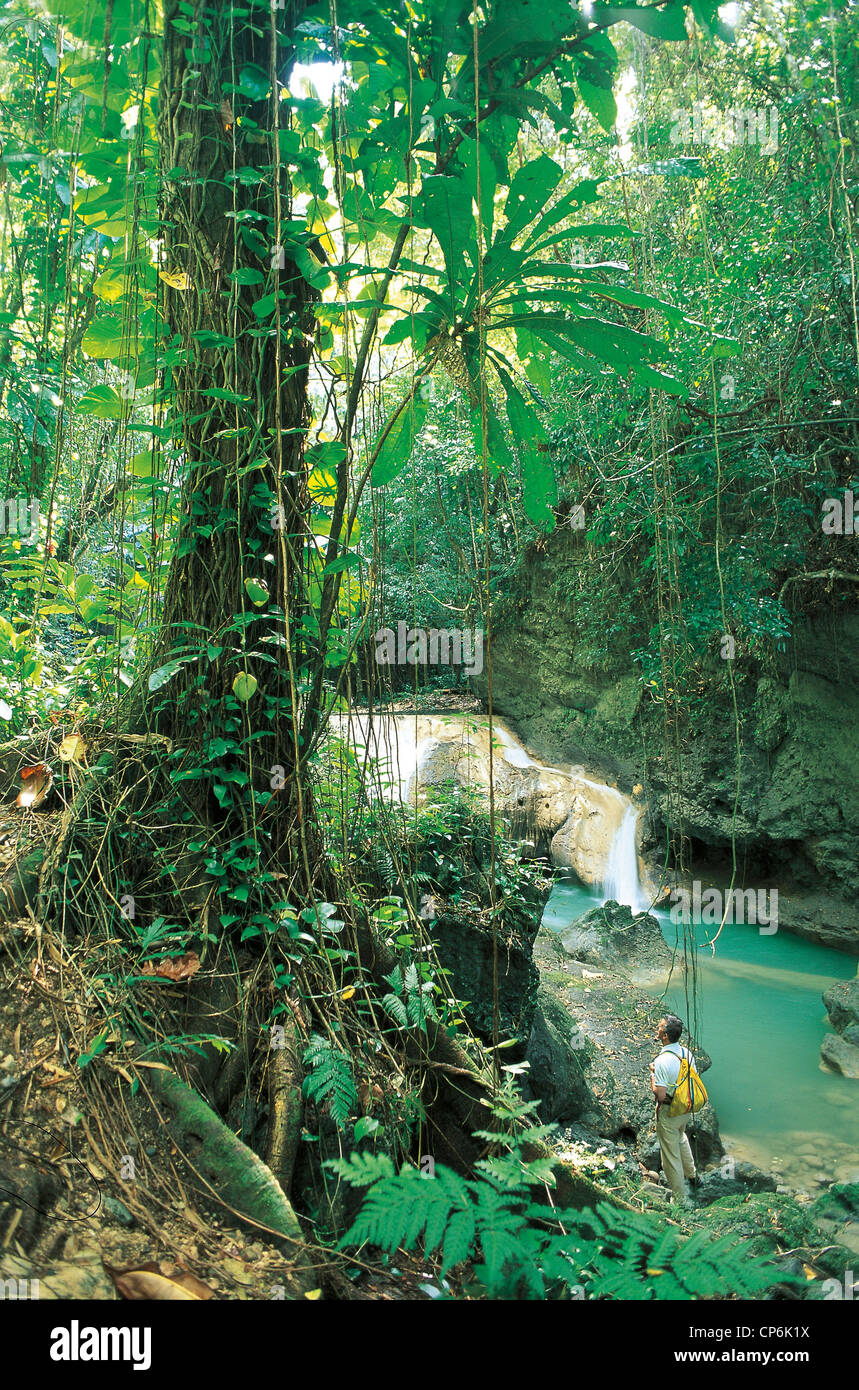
677	1160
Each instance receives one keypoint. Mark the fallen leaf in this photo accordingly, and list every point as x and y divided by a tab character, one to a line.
36	783
73	750
313	1294
176	968
147	1284
348	993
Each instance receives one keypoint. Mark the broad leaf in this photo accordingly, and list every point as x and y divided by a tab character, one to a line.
399	441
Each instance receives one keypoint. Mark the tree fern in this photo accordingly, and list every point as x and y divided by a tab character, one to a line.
330	1080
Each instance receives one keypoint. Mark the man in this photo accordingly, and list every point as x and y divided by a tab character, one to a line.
677	1161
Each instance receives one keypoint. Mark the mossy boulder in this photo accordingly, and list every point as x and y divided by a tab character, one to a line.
842	1003
464	940
611	935
558	1055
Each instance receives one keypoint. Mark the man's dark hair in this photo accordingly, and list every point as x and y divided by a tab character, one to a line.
673	1027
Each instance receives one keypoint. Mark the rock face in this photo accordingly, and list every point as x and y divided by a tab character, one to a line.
842	1004
738	1178
562	673
559	1063
463	939
611	935
841	1055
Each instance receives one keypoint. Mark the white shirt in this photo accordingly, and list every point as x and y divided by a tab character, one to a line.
667	1067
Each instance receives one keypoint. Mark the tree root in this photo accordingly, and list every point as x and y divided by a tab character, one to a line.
286	1107
459	1106
236	1176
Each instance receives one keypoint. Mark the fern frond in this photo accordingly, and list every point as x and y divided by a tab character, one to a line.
330	1080
361	1167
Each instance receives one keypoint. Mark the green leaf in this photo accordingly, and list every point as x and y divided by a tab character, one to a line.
166	672
600	102
247	276
142	465
525	27
538	475
498	455
487	183
104	339
530	191
104	403
444	205
253	83
666	23
264	306
343	562
257	592
399	441
244	686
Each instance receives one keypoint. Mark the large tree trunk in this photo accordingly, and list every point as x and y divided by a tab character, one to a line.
239	394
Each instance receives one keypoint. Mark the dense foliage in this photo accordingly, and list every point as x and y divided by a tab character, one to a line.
318	320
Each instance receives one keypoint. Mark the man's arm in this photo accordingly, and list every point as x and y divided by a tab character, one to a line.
659	1091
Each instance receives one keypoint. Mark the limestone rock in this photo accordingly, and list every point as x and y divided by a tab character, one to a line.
463	939
744	1177
841	1055
611	935
799	728
83	1278
842	1004
558	1062
565	815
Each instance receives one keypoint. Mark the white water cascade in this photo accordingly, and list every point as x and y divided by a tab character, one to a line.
621	882
586	825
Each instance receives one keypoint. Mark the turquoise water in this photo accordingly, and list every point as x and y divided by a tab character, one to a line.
761	1018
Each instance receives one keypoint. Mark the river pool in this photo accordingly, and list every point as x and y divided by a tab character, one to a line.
761	1018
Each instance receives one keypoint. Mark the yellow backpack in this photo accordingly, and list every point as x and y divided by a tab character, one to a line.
690	1093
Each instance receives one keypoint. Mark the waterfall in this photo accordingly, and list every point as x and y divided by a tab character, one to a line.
621	882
